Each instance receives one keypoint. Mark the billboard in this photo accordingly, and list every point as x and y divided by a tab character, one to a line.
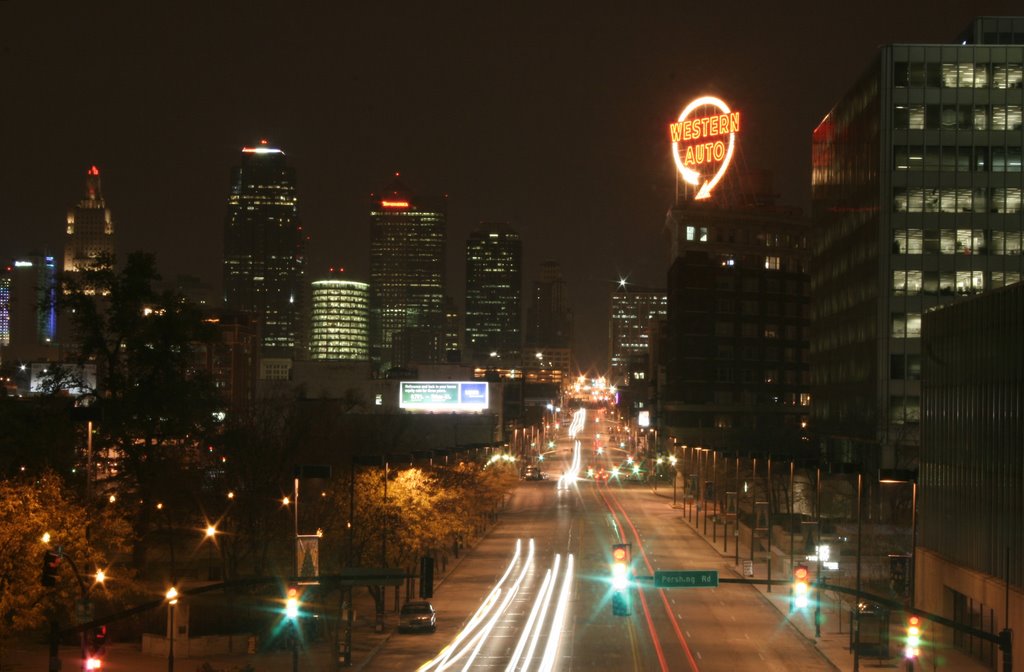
443	397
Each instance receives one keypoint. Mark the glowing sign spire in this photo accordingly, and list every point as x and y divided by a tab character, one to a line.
706	139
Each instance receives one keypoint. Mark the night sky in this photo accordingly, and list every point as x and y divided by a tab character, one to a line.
549	116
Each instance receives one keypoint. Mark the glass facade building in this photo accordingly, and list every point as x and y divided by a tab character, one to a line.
494	295
340	324
264	248
407	279
916	187
634	312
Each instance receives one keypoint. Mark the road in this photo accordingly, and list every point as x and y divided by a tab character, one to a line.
497	612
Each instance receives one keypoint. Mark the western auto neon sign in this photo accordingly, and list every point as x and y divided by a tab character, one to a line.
703	144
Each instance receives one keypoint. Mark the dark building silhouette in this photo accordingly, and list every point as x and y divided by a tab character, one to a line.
264	249
736	341
494	295
971	476
549	319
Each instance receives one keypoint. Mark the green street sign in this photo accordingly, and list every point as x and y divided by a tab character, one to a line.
701	578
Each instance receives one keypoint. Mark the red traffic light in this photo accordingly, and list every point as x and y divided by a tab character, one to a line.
914	621
51	563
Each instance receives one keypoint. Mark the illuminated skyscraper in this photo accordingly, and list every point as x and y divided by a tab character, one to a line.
494	295
634	314
407	279
29	309
340	325
264	248
90	228
917	197
5	307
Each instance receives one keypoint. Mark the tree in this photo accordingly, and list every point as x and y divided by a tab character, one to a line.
31	508
156	408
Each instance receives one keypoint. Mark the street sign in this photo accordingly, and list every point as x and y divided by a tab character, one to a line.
84	611
701	578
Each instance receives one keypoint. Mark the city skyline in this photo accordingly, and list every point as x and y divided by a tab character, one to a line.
553	121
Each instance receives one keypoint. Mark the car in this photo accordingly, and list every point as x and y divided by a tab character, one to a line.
417	616
533	473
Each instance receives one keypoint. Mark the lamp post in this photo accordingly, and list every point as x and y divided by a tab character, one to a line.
675	473
211	539
856	611
817	551
753	504
886	476
172	599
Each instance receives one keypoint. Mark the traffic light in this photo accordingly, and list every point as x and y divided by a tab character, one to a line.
620	566
620	603
51	563
620	579
801	587
97	648
291	603
98	641
426	576
913	647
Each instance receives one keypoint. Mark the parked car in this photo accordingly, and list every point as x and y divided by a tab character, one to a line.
417	616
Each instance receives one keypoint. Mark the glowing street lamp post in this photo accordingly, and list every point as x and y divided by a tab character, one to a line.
172	599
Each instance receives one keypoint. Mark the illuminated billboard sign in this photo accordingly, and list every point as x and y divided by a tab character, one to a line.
446	397
703	142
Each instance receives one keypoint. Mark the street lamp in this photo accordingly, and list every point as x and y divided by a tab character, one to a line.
211	539
172	599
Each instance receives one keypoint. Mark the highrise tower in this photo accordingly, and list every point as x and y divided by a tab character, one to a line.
407	279
264	248
90	229
549	320
494	295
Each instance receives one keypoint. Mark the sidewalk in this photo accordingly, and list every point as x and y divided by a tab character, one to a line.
834	640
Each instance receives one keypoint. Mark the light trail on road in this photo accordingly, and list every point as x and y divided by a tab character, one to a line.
605	494
468	644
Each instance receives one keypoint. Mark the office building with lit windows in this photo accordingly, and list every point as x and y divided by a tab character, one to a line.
90	227
736	340
264	249
340	320
916	178
494	296
635	312
407	279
